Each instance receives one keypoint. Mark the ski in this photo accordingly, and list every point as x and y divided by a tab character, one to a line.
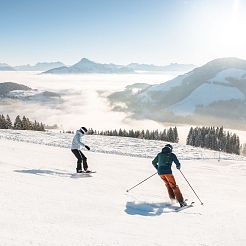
184	207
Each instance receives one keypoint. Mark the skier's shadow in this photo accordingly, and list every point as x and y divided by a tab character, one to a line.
44	172
148	209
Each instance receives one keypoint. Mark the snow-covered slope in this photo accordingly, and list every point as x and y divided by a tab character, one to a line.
219	88
215	92
7	87
115	145
44	203
10	90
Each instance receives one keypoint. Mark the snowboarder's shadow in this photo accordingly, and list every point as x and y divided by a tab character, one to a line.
148	209
45	172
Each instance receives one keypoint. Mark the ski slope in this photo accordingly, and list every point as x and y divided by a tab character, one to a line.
44	203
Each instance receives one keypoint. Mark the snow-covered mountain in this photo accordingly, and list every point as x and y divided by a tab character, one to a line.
40	66
45	203
7	87
6	67
214	93
11	90
171	67
87	66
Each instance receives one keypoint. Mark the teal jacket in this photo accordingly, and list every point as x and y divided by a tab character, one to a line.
163	161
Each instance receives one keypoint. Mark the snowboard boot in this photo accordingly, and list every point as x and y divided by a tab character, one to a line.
78	170
183	204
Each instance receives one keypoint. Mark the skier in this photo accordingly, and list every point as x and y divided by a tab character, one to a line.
76	149
163	162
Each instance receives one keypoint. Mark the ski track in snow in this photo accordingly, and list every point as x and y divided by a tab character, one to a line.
115	145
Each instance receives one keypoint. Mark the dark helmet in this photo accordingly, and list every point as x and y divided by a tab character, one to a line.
83	130
169	146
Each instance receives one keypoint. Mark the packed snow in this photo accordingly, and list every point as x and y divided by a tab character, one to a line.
43	201
229	73
211	91
167	85
204	95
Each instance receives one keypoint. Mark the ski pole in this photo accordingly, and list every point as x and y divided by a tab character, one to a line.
141	182
191	187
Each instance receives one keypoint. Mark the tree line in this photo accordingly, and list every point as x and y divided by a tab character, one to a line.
169	135
214	138
20	123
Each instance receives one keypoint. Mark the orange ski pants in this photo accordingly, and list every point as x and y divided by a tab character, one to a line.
172	188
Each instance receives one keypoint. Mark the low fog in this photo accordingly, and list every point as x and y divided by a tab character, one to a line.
83	99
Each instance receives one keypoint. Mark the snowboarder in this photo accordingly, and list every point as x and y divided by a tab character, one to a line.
76	149
163	162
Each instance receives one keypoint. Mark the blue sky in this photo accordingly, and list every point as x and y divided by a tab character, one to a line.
121	31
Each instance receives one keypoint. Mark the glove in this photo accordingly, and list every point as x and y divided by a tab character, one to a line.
87	147
178	167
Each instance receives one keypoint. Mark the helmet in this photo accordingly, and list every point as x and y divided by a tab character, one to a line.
169	146
83	130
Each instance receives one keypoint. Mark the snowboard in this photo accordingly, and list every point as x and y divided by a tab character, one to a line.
89	171
83	174
189	205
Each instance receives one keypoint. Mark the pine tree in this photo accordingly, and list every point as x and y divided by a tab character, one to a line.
18	123
164	135
175	133
8	122
2	122
24	123
189	137
41	127
170	136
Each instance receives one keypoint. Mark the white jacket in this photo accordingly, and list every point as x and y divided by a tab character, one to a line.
77	144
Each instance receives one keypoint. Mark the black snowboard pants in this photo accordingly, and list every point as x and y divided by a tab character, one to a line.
80	157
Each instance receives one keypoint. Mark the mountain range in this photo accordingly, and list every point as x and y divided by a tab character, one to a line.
214	93
40	66
171	67
88	66
6	67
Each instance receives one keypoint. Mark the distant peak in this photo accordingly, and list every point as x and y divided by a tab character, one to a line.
85	60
